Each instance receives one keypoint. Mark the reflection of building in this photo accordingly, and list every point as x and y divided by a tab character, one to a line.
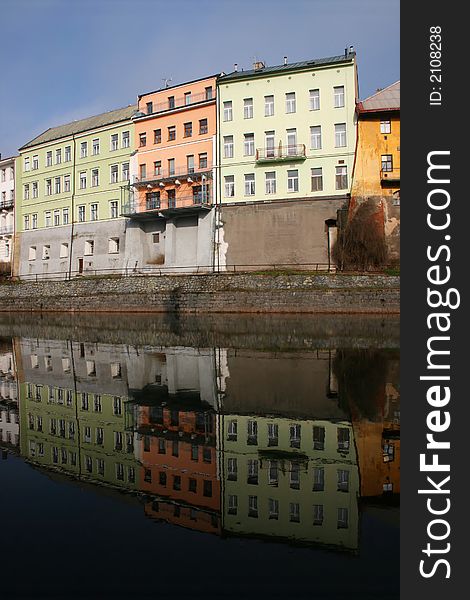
9	417
72	399
7	217
289	466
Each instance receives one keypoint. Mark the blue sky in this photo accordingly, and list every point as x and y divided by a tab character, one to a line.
69	59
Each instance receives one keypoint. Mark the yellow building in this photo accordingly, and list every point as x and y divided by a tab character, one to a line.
376	176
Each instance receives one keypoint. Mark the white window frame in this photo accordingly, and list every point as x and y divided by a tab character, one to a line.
339	97
291	104
315	137
228	146
229	186
314	99
270	182
292	181
250	184
249	144
228	110
248	108
269	106
340	135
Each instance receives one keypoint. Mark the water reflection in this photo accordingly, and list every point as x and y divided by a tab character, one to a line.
280	445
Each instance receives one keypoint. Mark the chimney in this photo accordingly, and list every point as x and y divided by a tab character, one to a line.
258	65
235	67
285	60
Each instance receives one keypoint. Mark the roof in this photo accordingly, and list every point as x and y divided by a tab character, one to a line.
107	118
386	99
6	160
177	85
306	64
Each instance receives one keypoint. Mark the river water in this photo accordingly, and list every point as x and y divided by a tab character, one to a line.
214	456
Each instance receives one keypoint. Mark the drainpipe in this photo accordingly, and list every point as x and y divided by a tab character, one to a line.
219	185
72	219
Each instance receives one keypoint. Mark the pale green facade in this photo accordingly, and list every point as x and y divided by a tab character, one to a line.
278	107
69	183
277	484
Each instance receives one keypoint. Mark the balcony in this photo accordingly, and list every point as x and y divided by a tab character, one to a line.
166	207
8	230
390	175
188	174
183	102
5	204
281	153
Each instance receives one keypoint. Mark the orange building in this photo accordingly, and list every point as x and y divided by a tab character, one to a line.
172	191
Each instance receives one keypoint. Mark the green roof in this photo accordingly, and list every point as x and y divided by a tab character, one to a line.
297	66
88	124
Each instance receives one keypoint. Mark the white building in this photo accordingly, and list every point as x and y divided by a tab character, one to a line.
9	414
7	218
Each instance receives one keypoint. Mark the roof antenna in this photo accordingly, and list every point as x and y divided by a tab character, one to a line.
166	81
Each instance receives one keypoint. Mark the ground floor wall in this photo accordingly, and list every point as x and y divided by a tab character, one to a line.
296	232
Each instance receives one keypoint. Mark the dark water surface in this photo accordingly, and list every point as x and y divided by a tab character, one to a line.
213	457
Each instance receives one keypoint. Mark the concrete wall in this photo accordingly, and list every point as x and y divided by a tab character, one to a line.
283	233
209	293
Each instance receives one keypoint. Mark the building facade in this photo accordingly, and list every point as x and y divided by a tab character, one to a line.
170	200
376	177
7	214
9	412
286	143
69	180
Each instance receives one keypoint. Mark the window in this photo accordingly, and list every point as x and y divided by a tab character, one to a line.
249	144
56	218
95	181
66	183
3	174
125	171
114	173
317	179
295	435
190	163
65	216
209	95
203	160
228	146
232	504
387	163
157	136
149	108
268	106
188	129
89	247
294	475
34	189
203	126
253	506
271	182
142	171
229	185
342	518
94	212
171	133
46	252
171	166
315	137
343	480
343	439
315	99
142	140
232	469
250	184
83	180
339	96
248	108
96	147
83	150
113	246
318	438
290	102
318	514
171	102
293	180
252	477
58	156
26	164
64	251
318	479
26	191
26	222
157	167
34	218
32	253
35	162
291	142
228	112
48	218
252	433
341	178
49	159
113	209
187	98
340	135
68	154
81	214
207	488
385	127
125	139
57	185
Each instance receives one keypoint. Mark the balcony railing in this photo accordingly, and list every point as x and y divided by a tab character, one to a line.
292	152
156	205
7	203
390	175
183	102
6	230
184	172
